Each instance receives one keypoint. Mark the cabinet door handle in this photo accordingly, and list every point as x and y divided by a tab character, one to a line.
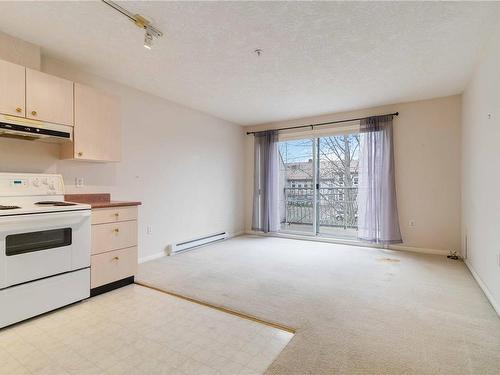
116	230
19	109
116	258
117	214
33	113
80	154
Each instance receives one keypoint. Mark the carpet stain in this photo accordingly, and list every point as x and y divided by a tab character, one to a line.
389	260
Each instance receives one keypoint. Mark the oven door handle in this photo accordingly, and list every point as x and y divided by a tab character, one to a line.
67	217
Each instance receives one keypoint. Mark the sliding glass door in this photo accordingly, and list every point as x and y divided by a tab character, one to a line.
297	184
319	183
338	185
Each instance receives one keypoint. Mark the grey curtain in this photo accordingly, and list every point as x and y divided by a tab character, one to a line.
266	216
378	219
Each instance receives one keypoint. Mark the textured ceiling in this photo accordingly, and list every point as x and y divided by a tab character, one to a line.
319	57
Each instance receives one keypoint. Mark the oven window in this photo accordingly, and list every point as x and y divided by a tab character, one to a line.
35	241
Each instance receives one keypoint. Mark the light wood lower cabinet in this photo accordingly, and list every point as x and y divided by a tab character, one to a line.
113	266
113	236
114	245
114	214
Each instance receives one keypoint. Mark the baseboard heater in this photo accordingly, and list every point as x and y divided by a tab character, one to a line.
191	244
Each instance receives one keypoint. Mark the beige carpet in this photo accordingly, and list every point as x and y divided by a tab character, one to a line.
356	310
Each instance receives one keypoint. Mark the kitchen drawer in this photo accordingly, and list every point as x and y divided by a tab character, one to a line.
113	214
113	236
113	266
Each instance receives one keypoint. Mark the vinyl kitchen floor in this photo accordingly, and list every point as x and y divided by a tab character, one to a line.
136	330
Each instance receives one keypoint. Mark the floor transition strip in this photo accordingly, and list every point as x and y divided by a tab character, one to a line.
219	308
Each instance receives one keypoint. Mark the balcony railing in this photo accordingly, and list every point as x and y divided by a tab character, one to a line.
338	206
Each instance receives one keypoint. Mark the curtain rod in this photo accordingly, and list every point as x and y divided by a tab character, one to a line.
324	123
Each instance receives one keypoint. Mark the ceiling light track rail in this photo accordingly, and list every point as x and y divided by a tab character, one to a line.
120	9
139	21
312	126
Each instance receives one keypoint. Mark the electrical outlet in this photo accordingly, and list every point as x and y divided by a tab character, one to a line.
149	229
79	182
412	224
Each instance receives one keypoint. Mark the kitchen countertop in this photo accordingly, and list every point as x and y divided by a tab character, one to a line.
99	200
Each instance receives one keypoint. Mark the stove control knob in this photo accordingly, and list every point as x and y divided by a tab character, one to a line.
44	180
35	182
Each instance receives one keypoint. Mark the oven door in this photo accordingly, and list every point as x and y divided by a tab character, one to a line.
40	245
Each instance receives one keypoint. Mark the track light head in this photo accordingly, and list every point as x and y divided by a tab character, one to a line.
151	32
148	40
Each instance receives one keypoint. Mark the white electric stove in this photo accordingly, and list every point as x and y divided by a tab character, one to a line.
44	246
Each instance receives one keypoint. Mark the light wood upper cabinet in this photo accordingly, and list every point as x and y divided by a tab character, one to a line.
48	98
97	128
12	89
94	115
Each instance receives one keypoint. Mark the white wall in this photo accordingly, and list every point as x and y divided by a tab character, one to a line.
19	52
185	166
480	172
427	157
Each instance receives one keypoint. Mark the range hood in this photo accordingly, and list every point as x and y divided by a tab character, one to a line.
23	128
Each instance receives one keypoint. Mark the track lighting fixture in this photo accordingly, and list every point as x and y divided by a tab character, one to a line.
140	21
148	40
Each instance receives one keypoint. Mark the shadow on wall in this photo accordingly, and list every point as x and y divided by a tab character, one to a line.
19	155
28	156
94	173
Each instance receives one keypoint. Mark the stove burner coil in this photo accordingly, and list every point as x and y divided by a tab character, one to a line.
8	207
55	203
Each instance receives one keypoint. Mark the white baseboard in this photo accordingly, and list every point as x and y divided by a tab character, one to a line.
152	257
397	247
421	250
485	289
236	234
162	254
